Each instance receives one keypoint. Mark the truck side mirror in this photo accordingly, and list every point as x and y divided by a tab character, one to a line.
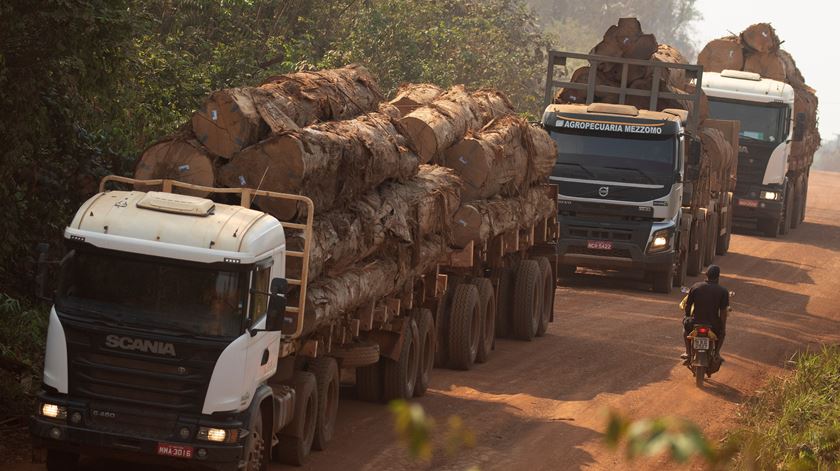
279	286
799	126
275	311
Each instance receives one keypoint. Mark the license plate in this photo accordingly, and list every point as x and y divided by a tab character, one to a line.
599	245
175	451
700	343
748	203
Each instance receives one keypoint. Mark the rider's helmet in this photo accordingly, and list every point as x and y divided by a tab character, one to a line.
713	273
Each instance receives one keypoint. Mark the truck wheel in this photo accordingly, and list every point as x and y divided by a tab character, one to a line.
444	306
527	300
724	240
295	439
61	460
356	354
549	287
795	217
681	270
804	206
504	303
426	334
369	382
696	249
400	376
487	303
663	281
769	227
325	370
787	216
464	326
711	240
255	455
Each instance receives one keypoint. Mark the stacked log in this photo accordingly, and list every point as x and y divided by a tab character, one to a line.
758	49
411	96
178	157
627	40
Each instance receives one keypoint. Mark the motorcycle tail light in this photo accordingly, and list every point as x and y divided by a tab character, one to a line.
703	330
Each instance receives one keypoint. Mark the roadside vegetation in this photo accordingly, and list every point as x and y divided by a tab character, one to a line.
792	424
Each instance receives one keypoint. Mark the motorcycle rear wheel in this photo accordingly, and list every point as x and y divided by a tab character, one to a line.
699	373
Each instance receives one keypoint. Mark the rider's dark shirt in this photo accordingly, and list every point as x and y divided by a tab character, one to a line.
708	299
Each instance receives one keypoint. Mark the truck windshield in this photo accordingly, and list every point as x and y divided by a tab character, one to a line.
759	122
631	159
153	292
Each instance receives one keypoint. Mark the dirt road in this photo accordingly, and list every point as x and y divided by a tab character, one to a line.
540	405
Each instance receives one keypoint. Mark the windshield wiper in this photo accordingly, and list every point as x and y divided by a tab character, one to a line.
640	172
580	166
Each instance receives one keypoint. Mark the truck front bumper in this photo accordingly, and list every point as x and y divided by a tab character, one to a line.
749	208
622	256
83	438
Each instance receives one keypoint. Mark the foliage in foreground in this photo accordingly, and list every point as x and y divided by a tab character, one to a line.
793	424
22	334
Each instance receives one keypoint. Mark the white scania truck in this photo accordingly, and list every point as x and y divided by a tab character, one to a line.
772	181
178	336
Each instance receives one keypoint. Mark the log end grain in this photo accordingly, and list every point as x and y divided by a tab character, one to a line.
176	159
422	137
469	158
466	226
227	122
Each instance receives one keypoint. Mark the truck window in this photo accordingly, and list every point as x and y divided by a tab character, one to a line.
759	122
259	284
153	292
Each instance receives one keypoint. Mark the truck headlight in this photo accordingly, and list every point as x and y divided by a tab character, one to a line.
218	435
53	411
661	240
770	195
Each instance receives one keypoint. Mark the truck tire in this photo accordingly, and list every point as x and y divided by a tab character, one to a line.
444	305
796	217
711	240
428	343
504	301
769	227
681	270
356	354
327	380
697	248
369	382
527	300
255	454
804	206
787	215
663	281
464	326
487	303
400	376
549	287
61	460
295	439
725	239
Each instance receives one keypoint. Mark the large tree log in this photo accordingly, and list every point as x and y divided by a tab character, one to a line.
479	221
505	157
722	54
411	96
177	157
332	163
232	119
760	37
400	213
492	104
768	65
676	78
369	281
792	72
445	121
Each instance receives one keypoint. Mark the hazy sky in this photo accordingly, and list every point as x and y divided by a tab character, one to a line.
808	29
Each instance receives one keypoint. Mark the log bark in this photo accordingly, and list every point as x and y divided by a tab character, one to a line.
176	158
722	54
676	78
232	119
581	75
439	125
792	72
332	163
768	65
505	157
760	37
395	213
492	104
411	96
479	221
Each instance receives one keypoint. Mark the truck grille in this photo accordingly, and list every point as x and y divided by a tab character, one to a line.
600	234
114	375
580	250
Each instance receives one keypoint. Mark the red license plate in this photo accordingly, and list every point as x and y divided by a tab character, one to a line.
175	451
748	203
599	245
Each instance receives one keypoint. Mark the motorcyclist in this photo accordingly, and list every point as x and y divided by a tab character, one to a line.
707	303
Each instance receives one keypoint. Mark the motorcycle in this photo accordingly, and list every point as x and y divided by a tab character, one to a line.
703	357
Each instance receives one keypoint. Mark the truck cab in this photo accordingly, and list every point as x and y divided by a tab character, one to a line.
169	320
620	174
764	108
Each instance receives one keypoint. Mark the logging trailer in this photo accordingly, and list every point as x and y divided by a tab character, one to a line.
177	335
634	192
